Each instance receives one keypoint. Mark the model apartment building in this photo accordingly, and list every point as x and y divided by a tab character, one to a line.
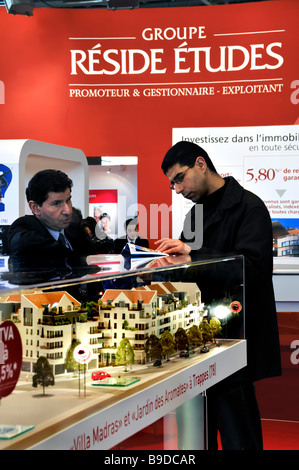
49	322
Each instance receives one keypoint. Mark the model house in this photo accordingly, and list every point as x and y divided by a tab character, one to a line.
138	313
50	322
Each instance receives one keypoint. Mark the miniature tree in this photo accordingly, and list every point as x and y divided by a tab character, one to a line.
181	339
43	373
207	334
124	354
167	343
153	348
216	327
70	361
92	310
194	336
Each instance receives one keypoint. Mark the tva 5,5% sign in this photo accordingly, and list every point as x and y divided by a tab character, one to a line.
10	357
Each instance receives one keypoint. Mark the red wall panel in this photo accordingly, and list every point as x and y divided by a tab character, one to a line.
35	68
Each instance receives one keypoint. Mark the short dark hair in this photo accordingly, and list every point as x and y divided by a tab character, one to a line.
185	153
46	181
131	222
105	215
90	223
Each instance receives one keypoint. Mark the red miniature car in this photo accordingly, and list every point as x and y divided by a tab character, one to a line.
99	375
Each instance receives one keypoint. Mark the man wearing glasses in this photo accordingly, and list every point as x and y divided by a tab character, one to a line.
234	221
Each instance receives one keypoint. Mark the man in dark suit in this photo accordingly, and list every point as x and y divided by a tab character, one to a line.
234	221
131	228
48	235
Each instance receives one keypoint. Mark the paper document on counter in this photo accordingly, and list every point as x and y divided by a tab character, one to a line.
139	251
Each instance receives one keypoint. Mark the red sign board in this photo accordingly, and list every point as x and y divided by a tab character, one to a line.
10	357
102	196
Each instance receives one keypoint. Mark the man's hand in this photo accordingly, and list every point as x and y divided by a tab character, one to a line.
171	246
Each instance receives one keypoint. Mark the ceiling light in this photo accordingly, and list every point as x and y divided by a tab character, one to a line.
19	7
122	4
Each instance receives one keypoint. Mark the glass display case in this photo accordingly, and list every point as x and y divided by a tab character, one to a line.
92	357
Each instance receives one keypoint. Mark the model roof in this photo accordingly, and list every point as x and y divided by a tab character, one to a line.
133	296
40	299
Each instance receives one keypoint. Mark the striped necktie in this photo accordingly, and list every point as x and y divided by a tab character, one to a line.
63	241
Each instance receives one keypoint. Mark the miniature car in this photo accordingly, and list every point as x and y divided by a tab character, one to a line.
184	353
99	375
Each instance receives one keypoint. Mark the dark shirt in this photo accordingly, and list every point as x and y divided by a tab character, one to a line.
236	221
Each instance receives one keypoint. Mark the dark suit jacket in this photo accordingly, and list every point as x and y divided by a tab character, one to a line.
28	237
35	256
121	242
241	224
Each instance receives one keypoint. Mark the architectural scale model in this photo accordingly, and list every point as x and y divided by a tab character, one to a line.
50	322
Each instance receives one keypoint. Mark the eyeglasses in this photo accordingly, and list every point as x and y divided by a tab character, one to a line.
178	179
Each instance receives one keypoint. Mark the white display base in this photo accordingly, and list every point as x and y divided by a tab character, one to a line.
109	421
